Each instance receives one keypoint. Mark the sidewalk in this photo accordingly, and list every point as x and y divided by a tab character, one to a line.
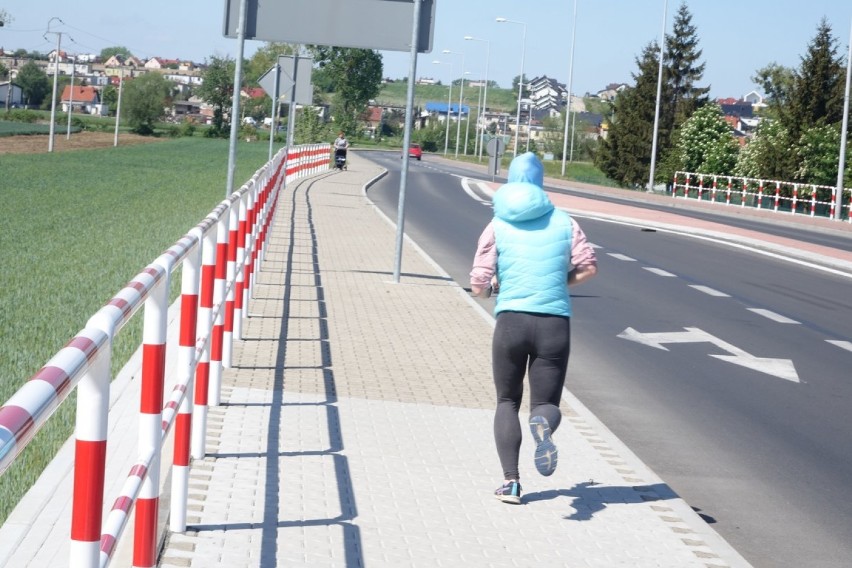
355	428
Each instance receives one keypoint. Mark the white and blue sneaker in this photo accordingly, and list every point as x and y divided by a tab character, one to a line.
546	453
509	492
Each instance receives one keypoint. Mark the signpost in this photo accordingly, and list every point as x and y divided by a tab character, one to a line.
495	148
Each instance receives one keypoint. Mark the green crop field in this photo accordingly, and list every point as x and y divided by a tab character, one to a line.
21	128
76	227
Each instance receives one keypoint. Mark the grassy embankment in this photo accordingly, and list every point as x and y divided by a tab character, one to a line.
76	227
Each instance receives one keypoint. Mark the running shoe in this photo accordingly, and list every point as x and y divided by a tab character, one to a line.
545	450
509	492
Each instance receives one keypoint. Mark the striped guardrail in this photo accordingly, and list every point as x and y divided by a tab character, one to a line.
772	195
218	258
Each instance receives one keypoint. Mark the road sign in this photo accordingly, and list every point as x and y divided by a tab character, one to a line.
781	368
366	24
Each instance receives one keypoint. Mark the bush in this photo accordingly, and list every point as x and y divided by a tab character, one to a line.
20	115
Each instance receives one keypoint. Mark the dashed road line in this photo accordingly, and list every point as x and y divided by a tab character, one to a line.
659	272
772	315
620	256
709	291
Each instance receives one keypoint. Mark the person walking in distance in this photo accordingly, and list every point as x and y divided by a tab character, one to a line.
341	144
529	254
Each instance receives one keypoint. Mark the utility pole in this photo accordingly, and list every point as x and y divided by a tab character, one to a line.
55	80
71	102
118	106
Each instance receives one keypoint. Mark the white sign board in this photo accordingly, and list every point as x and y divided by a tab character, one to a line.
291	73
365	24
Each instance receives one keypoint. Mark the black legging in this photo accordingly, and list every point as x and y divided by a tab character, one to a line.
541	343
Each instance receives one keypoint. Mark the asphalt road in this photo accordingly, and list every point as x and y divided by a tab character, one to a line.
721	369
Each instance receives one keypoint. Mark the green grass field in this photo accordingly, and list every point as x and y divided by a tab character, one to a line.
77	227
22	128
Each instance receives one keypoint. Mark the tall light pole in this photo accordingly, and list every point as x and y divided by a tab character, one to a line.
520	78
570	80
461	96
467	124
485	93
659	92
842	162
449	104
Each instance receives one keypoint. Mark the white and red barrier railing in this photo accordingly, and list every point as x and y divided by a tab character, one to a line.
218	258
779	196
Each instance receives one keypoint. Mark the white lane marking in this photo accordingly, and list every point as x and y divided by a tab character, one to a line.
620	256
709	291
847	345
594	246
781	368
772	315
659	272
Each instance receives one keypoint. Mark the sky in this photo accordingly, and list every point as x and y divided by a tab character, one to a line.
736	37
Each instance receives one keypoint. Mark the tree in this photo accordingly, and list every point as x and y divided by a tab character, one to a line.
265	58
309	128
767	155
816	97
680	97
34	83
525	90
356	75
818	150
776	82
144	101
681	73
108	52
706	143
109	97
217	89
625	155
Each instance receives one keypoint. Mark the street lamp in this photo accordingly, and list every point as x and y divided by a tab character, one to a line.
461	96
485	94
659	91
570	79
449	102
520	78
467	124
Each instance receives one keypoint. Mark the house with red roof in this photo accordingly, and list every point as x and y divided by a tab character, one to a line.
82	99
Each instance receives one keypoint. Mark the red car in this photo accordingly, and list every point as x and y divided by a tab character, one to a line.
415	151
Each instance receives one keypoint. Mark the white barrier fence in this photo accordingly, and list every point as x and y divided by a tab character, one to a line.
218	258
771	195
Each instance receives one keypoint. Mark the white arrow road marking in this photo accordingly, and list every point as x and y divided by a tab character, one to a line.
781	368
847	345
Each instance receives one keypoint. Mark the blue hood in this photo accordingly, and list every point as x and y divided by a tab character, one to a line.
522	198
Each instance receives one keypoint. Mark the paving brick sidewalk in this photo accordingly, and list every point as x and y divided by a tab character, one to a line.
355	425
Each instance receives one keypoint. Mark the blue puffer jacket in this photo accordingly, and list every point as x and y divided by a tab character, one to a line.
533	243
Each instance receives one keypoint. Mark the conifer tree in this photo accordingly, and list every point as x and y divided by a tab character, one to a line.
625	154
816	98
682	71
